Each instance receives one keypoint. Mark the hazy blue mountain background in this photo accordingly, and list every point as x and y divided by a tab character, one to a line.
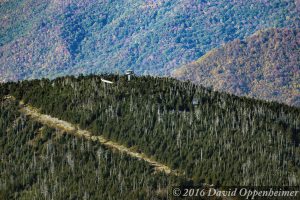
49	38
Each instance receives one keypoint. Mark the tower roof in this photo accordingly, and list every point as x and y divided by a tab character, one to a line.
129	71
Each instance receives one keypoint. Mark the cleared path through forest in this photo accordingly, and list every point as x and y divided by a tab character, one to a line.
69	128
74	130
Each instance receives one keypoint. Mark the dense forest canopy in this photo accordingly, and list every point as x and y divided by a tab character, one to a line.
48	38
212	137
38	162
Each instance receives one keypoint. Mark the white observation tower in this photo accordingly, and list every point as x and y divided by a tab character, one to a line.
129	73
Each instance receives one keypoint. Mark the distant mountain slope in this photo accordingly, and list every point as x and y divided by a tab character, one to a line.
48	38
265	66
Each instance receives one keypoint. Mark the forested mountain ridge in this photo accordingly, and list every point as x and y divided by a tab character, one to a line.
212	137
265	66
49	38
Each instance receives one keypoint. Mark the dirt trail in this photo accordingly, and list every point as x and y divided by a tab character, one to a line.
74	130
